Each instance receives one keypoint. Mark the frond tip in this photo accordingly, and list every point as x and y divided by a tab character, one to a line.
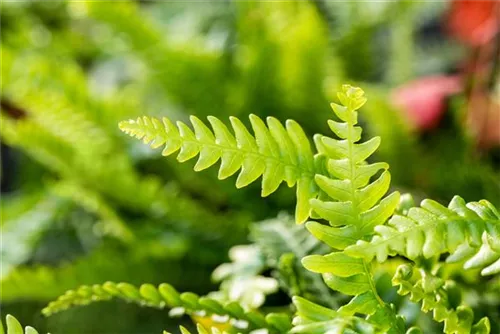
277	153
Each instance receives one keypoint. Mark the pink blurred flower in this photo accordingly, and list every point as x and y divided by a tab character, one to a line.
474	22
423	100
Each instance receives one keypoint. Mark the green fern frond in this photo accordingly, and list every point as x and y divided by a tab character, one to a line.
15	327
354	206
468	231
274	152
357	205
439	296
166	296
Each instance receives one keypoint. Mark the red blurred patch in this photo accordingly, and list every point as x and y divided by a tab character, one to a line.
483	118
474	22
423	100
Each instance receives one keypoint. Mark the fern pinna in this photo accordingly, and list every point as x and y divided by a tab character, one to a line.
15	327
346	195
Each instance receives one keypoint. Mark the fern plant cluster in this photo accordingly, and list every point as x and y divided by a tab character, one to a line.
354	232
92	216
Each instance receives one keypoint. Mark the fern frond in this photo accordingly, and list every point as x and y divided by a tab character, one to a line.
166	296
274	152
15	327
354	205
439	296
468	231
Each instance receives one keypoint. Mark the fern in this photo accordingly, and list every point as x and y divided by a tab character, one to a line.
469	231
353	206
438	296
275	153
166	296
14	327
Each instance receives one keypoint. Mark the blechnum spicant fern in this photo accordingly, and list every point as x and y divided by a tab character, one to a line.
346	197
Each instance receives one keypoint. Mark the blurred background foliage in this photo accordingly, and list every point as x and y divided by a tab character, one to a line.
82	204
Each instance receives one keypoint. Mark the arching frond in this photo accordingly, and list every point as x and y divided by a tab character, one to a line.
275	152
166	296
468	231
442	298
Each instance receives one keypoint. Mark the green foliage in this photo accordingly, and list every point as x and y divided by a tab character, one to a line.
20	234
351	198
86	205
278	245
352	209
442	298
166	296
275	153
